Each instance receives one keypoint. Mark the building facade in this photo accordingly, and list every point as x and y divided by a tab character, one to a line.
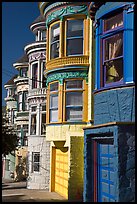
67	68
22	118
109	144
8	161
38	147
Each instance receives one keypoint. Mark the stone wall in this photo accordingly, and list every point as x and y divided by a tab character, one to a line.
39	180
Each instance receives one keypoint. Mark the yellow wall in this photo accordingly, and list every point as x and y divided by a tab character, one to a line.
62	131
75	182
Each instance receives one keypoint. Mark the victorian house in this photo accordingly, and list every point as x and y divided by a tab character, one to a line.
38	147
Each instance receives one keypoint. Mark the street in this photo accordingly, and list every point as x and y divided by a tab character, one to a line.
17	192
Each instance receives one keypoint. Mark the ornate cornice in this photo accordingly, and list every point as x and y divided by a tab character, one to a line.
68	10
67	75
67	61
37	56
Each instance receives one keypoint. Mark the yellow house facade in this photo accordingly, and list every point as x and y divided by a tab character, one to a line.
68	108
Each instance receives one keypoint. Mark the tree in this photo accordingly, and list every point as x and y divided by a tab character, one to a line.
9	137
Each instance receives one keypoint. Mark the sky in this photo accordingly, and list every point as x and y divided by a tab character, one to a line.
16	34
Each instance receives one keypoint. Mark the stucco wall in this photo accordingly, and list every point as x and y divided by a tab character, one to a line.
39	180
75	182
124	156
114	105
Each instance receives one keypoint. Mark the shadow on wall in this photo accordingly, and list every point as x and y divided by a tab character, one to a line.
21	171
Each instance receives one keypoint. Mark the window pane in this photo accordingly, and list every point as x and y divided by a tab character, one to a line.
74	46
34	75
113	22
36	167
36	157
73	114
44	108
33	109
54	87
114	71
54	101
43	124
114	46
54	50
53	115
74	98
55	32
74	28
33	125
74	84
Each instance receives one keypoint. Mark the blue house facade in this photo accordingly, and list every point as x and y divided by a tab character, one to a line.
109	144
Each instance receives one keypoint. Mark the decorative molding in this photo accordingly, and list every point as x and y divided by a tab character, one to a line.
65	61
37	56
66	75
66	11
129	8
36	101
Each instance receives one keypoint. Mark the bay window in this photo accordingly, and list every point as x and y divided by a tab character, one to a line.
23	72
54	102
74	37
74	100
113	50
25	100
55	41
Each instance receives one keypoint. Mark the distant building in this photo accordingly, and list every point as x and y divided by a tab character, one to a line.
8	162
22	119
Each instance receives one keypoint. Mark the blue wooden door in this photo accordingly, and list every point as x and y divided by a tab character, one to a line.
106	187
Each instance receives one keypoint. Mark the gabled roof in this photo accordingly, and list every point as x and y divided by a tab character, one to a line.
11	81
23	59
38	19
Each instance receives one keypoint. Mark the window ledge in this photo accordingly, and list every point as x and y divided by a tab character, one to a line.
114	87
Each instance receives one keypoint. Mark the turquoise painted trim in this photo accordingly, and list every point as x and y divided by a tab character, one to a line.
66	69
109	7
68	10
67	75
128	46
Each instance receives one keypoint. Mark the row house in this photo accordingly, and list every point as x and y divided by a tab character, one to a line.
8	162
67	66
22	117
109	144
38	147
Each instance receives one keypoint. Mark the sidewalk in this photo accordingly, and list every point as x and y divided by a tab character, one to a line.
17	192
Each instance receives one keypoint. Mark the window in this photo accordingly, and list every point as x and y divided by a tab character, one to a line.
25	134
43	120
35	162
25	100
43	77
33	124
74	100
20	101
43	35
34	75
54	41
54	102
23	72
74	37
113	50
